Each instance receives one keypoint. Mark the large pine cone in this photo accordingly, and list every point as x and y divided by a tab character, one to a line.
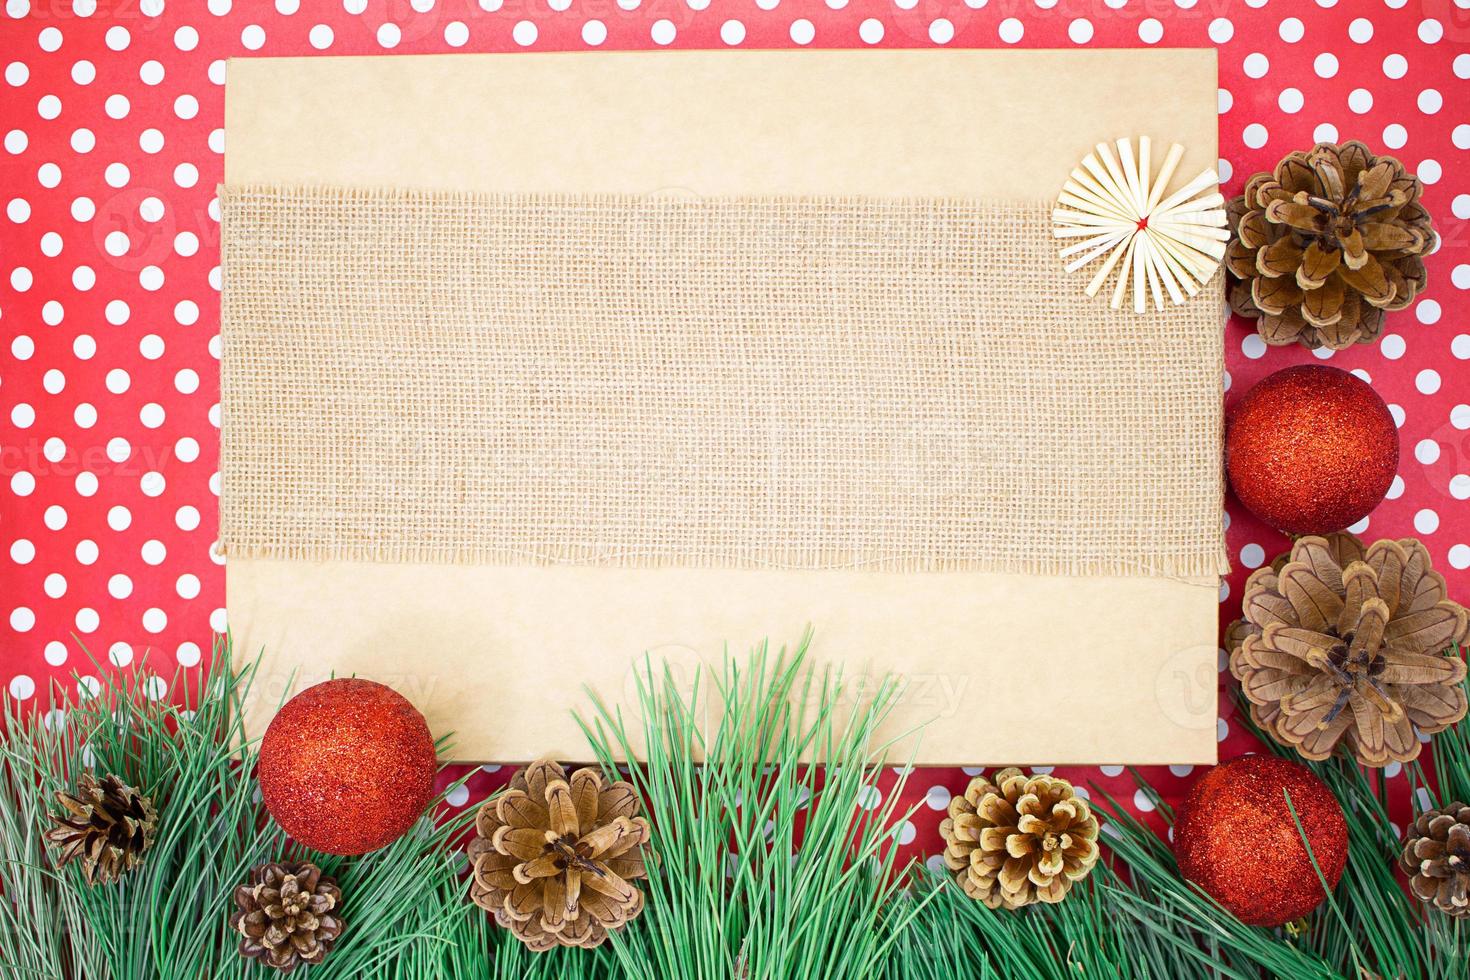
1345	644
1019	840
1437	859
554	858
287	915
1327	243
107	826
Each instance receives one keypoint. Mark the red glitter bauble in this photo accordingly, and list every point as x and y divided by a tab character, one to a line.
1235	838
347	766
1311	450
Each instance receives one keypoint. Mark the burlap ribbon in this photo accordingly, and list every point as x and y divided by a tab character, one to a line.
796	383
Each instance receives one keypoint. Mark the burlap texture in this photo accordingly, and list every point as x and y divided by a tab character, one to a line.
753	382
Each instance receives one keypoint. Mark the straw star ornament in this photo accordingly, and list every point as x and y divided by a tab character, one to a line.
1117	210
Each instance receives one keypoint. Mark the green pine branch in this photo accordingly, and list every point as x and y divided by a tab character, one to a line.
764	865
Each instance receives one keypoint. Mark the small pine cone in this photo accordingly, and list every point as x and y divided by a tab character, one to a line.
1343	645
554	857
107	826
1437	859
1019	840
287	915
1327	243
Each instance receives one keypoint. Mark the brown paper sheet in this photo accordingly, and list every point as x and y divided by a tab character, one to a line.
1005	667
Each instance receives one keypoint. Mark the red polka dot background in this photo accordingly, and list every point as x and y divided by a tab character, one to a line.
113	114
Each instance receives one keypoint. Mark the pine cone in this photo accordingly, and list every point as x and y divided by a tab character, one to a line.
1020	840
554	857
1326	244
287	915
1345	644
1437	859
107	826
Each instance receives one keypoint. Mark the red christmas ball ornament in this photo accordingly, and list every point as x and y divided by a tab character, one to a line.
1235	838
1311	449
347	766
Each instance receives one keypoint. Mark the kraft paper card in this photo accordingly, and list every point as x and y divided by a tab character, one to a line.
536	364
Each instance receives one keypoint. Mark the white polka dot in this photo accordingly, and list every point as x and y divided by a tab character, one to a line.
1461	136
186	106
732	32
56	653
22	551
1427	381
1252	556
321	36
253	37
1291	30
871	30
1080	31
218	621
869	797
188	655
18	211
1392	346
17	73
1360	100
121	654
1430	31
1253	346
118	38
186	175
1395	136
87	551
153	552
1395	66
186	450
154	620
83	140
1256	65
1395	489
1460	416
457	796
1426	451
22	687
456	33
1460	486
1427	311
48	107
1255	136
594	32
49	174
1460	206
1426	521
187	518
1460	556
1397	411
87	620
941	31
116	175
186	38
87	484
1462	65
1429	171
186	312
84	72
524	33
389	35
1224	101
663	31
1221	30
1325	65
1430	101
22	484
119	586
1361	30
1291	100
803	31
1150	30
